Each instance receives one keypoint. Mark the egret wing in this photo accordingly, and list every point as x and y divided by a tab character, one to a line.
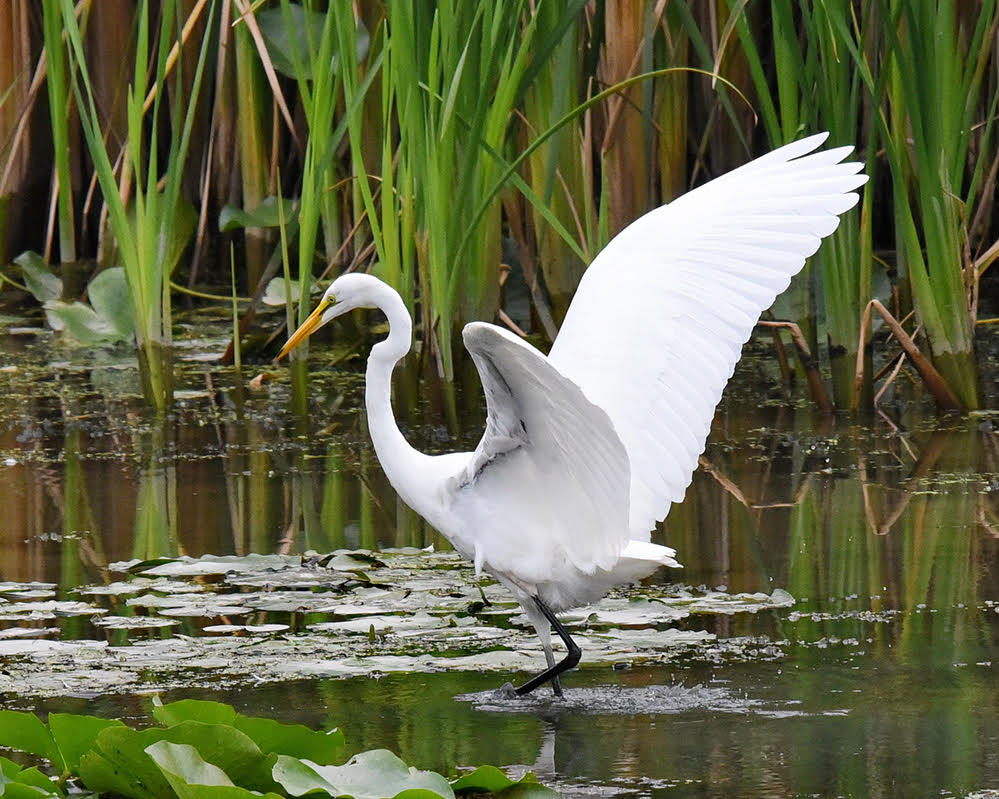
563	449
659	319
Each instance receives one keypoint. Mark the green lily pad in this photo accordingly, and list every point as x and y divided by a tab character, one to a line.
377	774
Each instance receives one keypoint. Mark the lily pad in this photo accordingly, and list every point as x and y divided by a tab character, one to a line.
368	775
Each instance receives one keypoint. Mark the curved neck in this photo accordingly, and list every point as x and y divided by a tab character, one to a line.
399	460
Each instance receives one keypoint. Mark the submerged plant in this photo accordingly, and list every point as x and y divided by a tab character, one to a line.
201	749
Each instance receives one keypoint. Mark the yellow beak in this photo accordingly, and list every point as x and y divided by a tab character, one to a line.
307	328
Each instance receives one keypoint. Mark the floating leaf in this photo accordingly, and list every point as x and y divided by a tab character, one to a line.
376	774
490	780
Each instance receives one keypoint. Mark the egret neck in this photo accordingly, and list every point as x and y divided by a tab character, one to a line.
403	465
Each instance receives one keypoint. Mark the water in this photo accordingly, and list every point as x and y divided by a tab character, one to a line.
880	680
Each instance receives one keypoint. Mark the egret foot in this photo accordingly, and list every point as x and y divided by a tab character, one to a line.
506	691
553	671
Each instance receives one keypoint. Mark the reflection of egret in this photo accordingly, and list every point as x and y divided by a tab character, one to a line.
584	450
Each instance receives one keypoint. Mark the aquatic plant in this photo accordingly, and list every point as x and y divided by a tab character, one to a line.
152	230
202	748
396	154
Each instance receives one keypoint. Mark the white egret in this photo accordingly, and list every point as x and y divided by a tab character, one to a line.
585	449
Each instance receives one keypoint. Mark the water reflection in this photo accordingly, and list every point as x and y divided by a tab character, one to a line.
884	683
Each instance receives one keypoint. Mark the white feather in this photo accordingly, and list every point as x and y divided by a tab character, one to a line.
679	292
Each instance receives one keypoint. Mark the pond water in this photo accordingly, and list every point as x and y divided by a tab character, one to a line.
835	630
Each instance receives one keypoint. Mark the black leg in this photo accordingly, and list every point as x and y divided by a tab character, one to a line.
552	673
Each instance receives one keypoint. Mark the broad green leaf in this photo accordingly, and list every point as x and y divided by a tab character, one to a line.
26	732
282	41
192	710
40	280
75	735
8	769
266	214
184	767
298	777
108	293
491	780
30	782
192	777
81	322
292	739
113	768
18	790
377	774
485	779
275	294
120	757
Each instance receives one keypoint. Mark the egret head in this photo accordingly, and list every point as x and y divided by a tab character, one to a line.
347	292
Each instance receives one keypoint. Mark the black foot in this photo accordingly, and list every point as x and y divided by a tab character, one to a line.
552	673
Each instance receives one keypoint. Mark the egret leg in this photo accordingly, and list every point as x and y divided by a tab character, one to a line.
550	657
554	669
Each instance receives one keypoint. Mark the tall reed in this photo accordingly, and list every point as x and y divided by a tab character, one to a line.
815	85
60	114
150	224
937	121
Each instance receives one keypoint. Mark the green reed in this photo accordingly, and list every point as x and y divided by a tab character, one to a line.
59	112
937	120
437	129
813	84
152	229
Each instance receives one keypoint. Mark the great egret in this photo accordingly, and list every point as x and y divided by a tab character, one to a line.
585	449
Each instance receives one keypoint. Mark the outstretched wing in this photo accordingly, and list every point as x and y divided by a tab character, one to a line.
660	317
549	461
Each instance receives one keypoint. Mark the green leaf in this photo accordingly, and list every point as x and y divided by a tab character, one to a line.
120	764
31	782
276	295
25	783
282	41
266	214
485	779
298	778
26	732
292	739
192	777
491	780
108	293
80	322
75	735
43	284
377	774
192	710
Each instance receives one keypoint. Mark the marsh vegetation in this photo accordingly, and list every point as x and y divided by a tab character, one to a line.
169	525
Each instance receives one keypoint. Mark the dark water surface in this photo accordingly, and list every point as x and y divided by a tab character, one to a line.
880	680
